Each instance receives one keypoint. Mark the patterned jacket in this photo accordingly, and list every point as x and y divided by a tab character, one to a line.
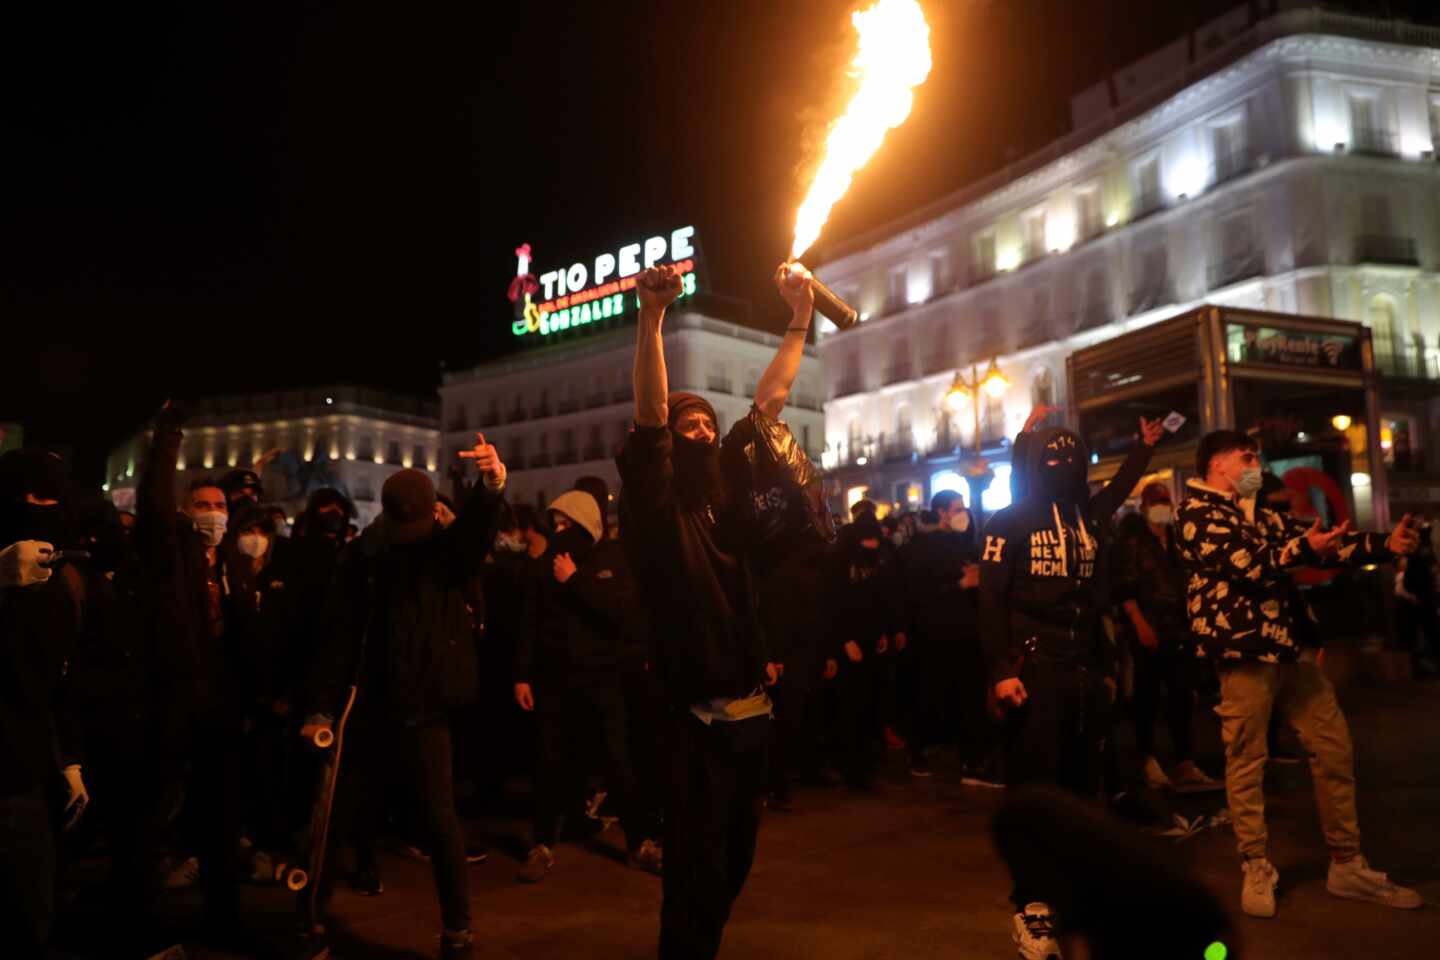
1239	556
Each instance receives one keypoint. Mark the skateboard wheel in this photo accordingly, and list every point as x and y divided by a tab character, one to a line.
323	738
297	879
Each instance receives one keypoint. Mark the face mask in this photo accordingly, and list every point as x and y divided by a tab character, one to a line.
253	545
897	538
282	530
332	523
1249	481
211	526
960	522
1160	515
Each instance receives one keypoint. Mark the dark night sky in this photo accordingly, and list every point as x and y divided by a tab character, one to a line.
209	197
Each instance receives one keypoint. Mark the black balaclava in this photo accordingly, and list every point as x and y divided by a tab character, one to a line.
697	464
40	473
574	540
1063	480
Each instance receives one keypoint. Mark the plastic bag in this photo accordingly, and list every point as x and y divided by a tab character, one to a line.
778	490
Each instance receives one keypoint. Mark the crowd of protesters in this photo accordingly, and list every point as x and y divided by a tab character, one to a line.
675	655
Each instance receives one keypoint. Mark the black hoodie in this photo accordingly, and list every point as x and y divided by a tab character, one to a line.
1040	592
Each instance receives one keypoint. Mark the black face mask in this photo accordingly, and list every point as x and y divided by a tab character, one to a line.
331	523
573	540
31	521
697	472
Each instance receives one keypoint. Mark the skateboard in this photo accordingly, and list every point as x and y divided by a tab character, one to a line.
305	878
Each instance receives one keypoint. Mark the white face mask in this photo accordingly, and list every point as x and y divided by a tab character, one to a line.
253	545
511	544
897	538
1249	482
960	522
211	526
1160	514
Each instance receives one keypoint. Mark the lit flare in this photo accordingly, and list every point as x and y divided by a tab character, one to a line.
893	59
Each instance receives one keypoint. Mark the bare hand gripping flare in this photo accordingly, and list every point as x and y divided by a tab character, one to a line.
893	59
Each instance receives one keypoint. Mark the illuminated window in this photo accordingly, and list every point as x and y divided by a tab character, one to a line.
854	495
947	480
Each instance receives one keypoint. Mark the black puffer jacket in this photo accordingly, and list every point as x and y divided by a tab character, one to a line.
398	618
1040	594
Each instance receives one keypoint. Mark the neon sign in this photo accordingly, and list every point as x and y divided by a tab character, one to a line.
579	295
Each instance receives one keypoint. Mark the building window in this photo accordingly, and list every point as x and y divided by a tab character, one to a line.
1237	257
1231	152
895	292
1032	227
1385	334
1147	185
365	449
1368	131
458	420
985	265
392	453
1036	328
1042	388
1087	207
718	377
899	369
418	457
1096	311
805	438
941	279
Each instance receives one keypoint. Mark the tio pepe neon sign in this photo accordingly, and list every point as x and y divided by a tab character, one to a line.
580	295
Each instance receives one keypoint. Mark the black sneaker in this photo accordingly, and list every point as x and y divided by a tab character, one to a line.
366	882
457	946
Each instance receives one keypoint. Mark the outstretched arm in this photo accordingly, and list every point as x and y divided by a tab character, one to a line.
774	387
658	287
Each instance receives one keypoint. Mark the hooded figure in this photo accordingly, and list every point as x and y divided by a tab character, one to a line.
1040	598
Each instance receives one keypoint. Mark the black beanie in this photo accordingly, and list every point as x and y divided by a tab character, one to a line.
867	527
681	402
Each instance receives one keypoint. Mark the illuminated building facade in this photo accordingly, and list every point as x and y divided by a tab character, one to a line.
1284	163
349	438
562	412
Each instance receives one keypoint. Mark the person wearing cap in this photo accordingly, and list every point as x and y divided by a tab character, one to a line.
400	630
242	489
711	654
1150	588
568	670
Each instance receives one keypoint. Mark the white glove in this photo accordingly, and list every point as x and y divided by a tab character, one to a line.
20	563
79	797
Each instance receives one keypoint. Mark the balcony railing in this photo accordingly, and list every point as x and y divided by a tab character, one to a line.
895	304
1032	250
718	384
900	447
458	423
1154	293
567	406
541	411
491	418
518	414
1373	141
848	386
514	461
899	373
1234	268
1408	364
936	363
1377	248
539	460
1089	228
806	401
980	272
565	457
594	400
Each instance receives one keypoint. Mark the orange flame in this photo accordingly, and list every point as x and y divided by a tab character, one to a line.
893	59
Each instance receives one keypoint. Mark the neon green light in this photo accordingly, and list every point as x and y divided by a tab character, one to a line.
1216	951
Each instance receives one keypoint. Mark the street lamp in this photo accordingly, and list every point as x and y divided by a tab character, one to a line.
963	391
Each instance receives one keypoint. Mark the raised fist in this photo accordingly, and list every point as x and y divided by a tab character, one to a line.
658	287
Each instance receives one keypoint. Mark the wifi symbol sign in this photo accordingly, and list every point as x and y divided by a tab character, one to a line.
1333	349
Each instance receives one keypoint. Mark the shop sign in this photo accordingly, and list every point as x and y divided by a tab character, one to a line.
1276	346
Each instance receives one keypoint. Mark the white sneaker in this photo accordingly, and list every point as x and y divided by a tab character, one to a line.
1034	933
1257	896
1354	880
1191	779
1155	775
